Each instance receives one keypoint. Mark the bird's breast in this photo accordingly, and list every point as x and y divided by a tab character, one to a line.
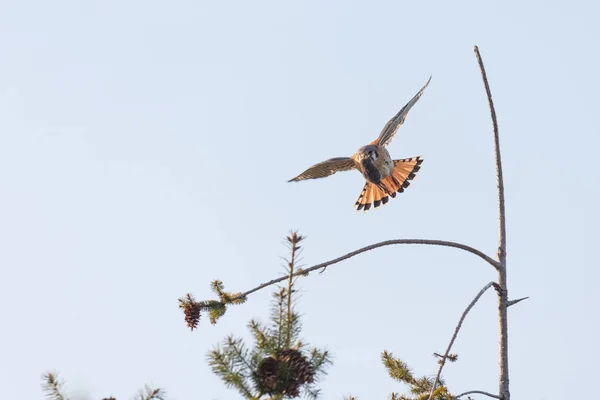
385	163
370	171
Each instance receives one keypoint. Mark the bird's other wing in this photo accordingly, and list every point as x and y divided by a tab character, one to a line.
326	168
390	129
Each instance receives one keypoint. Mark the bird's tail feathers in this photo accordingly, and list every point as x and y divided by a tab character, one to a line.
404	171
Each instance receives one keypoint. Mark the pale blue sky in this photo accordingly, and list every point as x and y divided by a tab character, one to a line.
145	148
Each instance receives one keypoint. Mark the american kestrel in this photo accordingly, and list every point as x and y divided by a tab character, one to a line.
384	176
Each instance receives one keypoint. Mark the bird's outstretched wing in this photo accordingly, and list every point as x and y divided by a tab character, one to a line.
390	129
326	168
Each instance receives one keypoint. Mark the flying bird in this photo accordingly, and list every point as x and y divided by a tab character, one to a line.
385	177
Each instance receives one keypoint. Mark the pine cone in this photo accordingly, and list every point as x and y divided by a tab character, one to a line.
268	374
191	309
192	314
292	390
284	374
299	371
298	366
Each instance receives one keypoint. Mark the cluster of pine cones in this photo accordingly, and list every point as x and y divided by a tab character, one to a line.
284	374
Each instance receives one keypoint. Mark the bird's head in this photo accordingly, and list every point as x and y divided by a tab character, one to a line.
368	152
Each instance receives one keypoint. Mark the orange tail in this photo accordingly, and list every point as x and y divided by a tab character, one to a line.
404	171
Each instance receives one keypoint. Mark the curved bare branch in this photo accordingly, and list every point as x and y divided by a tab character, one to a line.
499	175
462	318
494	396
502	281
325	264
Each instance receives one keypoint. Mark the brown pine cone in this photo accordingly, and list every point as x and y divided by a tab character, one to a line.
192	314
268	374
298	366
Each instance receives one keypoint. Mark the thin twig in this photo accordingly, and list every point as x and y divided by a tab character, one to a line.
303	271
460	322
502	281
494	396
513	302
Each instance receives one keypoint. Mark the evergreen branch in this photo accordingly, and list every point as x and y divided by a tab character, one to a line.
325	264
240	354
216	312
513	302
423	385
295	328
260	336
280	295
319	359
450	357
311	392
192	309
397	369
293	239
223	367
53	387
151	394
273	367
460	322
494	396
502	280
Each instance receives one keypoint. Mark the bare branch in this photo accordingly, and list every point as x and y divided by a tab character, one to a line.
513	302
502	281
460	322
499	175
325	264
494	396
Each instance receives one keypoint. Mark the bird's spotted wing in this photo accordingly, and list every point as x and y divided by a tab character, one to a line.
326	168
390	129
